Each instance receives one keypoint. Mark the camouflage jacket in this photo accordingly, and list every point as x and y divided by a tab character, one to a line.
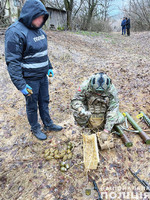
112	115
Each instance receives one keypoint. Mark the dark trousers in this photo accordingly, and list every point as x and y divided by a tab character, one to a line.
39	99
128	31
123	30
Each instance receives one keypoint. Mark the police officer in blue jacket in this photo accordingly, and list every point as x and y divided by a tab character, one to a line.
28	64
123	24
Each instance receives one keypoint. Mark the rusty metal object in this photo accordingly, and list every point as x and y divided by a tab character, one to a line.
123	136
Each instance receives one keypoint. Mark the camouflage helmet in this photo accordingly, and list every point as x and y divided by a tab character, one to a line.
100	82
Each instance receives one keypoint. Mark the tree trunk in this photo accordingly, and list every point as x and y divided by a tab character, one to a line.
9	9
69	8
92	5
69	20
2	12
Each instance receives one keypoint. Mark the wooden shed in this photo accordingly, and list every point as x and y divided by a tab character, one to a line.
57	19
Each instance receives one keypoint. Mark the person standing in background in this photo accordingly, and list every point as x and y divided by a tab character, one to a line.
128	26
123	24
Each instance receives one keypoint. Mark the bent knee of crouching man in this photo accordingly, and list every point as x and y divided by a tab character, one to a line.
81	120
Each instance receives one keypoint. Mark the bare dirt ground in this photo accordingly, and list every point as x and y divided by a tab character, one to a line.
24	173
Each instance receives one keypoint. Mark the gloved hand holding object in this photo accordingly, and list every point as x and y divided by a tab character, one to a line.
50	73
105	140
104	135
27	90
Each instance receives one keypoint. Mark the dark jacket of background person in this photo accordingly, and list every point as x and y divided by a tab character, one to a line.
123	23
128	23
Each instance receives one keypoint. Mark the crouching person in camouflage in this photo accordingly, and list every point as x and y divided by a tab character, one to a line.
96	106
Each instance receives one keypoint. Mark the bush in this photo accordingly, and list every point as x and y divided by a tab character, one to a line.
95	25
60	28
100	26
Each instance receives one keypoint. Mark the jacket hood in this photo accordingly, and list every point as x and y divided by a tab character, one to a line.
30	11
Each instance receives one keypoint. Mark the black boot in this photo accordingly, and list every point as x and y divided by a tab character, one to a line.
53	127
39	134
